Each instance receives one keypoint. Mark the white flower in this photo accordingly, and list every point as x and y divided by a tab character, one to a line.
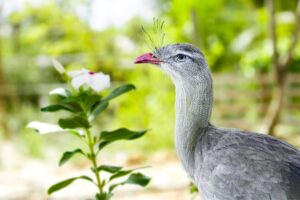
97	81
58	66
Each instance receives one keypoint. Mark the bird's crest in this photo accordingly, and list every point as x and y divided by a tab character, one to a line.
154	38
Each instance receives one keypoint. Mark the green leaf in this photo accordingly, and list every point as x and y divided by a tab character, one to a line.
138	179
120	174
135	178
103	144
65	183
76	133
109	168
114	186
57	107
108	137
121	134
120	90
92	101
98	108
74	122
87	98
73	105
68	155
193	188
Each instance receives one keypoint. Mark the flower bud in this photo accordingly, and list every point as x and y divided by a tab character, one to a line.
58	66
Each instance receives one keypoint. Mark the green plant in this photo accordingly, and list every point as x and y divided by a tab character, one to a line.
84	103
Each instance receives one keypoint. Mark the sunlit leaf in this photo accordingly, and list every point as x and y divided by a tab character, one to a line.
62	92
44	128
60	185
68	155
76	133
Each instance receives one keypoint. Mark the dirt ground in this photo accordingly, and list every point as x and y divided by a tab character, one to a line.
28	179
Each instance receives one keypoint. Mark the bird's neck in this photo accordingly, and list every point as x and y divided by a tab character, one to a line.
193	110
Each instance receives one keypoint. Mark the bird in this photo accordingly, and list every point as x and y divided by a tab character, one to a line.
224	163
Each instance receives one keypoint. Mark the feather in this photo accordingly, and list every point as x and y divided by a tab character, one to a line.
294	179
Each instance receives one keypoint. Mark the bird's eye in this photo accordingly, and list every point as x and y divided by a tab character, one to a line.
180	57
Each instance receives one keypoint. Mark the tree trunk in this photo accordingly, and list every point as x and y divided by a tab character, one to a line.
280	68
265	92
276	105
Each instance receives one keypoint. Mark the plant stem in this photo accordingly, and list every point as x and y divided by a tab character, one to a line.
94	160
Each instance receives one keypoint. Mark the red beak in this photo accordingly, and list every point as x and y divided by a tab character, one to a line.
147	58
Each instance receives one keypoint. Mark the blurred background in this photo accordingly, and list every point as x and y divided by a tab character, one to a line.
237	36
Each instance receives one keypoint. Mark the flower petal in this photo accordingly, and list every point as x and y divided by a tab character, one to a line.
97	81
100	82
76	73
80	80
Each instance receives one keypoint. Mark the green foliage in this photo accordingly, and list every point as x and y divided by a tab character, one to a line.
119	91
109	168
99	107
231	43
119	174
60	185
54	108
135	178
108	137
193	188
74	122
68	155
89	105
102	105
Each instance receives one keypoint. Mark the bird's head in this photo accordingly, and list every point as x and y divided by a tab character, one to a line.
181	61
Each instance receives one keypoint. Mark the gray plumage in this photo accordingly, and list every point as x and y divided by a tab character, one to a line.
225	164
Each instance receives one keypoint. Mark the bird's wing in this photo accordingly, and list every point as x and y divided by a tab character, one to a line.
293	171
251	166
